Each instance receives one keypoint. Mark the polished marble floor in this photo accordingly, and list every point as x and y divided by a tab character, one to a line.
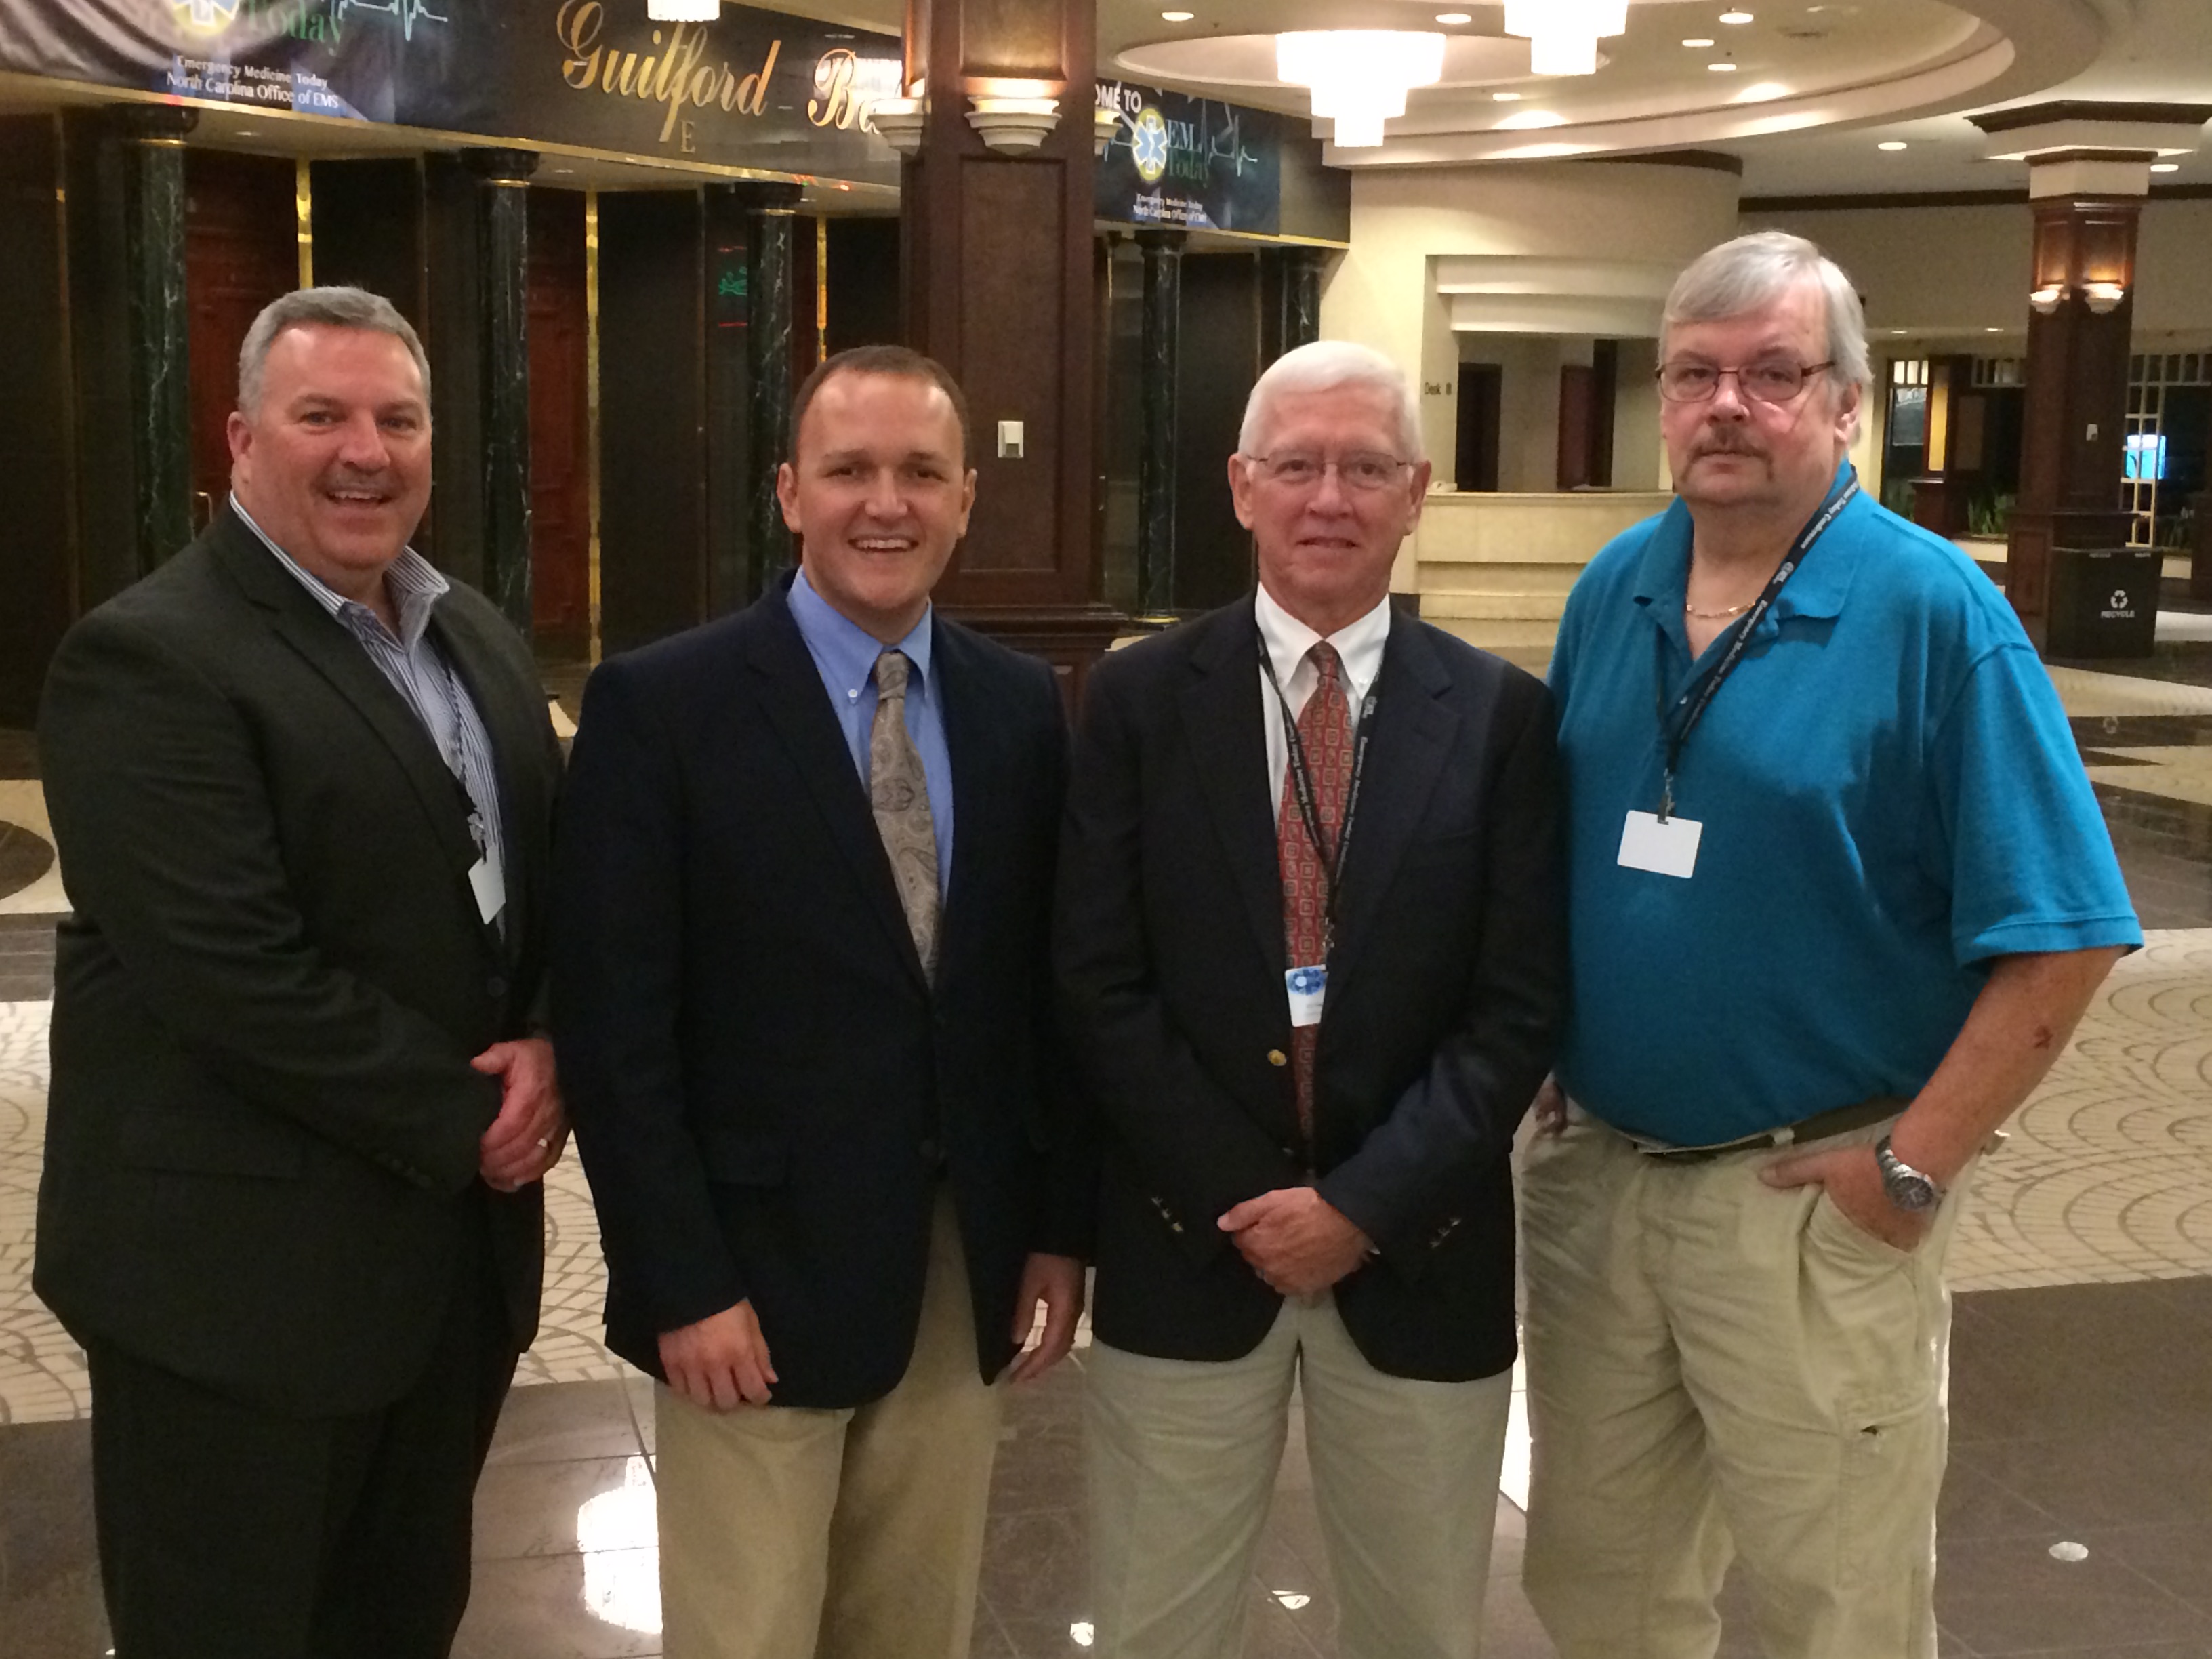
2077	1512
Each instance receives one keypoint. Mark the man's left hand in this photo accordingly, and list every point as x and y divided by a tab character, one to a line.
1057	1282
525	1140
1296	1240
1853	1181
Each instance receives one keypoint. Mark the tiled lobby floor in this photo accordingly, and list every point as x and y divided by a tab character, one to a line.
2082	1365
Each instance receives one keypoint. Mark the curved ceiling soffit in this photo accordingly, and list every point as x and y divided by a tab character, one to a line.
2007	50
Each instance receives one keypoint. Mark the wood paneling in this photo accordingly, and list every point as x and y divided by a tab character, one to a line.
560	459
242	250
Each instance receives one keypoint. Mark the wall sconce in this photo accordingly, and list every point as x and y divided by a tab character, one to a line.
1104	123
899	120
2102	298
1012	126
2044	300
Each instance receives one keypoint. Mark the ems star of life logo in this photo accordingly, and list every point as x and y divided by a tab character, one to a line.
1148	144
206	16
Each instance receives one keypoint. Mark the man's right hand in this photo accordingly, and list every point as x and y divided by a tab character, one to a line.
720	1363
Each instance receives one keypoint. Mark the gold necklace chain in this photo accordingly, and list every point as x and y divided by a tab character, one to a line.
1689	610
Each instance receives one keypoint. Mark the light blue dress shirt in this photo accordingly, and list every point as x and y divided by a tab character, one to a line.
845	655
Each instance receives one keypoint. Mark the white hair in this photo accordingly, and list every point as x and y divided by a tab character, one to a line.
320	308
1750	273
1322	366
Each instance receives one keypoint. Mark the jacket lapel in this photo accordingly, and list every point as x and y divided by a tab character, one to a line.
789	687
516	725
324	644
1229	746
1414	734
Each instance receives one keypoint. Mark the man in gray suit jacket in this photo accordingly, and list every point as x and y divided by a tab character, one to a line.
301	789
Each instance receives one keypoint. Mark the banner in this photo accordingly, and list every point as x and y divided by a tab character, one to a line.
752	89
1193	163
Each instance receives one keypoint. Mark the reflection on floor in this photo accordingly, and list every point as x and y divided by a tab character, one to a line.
2077	1512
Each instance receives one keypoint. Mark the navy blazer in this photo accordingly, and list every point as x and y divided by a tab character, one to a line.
764	1085
1445	992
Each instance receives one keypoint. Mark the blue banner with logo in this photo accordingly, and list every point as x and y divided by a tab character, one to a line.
1192	163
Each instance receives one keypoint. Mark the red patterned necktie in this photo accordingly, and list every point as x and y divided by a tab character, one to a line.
1325	733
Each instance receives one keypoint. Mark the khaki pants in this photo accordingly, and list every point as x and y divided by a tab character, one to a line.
1715	1367
1183	1459
788	1533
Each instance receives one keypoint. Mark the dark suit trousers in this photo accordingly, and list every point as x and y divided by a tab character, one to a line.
228	1531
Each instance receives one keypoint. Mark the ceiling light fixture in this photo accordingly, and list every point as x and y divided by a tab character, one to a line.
1722	68
683	11
1891	144
1735	17
1359	77
1563	34
1454	18
2165	167
1699	41
1508	97
1177	16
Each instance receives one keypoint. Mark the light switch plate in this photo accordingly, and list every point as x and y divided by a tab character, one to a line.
1010	441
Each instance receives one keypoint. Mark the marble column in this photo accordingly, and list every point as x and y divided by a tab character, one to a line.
771	211
152	139
1301	323
502	293
1156	469
731	491
2068	527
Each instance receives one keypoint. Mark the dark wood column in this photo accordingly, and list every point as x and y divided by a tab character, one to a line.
2076	416
503	298
995	279
1939	494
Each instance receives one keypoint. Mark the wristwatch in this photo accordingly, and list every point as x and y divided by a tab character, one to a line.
1907	1188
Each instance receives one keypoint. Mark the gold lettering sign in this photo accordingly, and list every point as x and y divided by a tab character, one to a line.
676	74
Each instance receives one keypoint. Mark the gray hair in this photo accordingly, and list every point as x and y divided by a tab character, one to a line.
1753	271
323	307
1328	363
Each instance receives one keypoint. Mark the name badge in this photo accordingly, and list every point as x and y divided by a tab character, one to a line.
488	882
1307	988
1668	849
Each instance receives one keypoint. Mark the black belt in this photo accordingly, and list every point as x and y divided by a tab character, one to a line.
1819	1127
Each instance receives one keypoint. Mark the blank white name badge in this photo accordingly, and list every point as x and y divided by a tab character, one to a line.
1307	987
488	882
1665	848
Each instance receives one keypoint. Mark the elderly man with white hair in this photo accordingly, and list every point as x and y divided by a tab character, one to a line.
1839	891
1310	941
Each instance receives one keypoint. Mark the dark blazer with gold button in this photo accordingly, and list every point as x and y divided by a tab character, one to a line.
1445	992
768	1091
261	1141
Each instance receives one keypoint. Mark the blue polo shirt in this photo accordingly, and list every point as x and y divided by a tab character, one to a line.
1890	797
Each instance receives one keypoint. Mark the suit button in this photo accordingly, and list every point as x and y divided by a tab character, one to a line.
1277	1057
931	1152
497	986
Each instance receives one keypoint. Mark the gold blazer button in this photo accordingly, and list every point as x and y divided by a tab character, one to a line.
1277	1057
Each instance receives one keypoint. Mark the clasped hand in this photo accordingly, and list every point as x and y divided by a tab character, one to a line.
1296	1240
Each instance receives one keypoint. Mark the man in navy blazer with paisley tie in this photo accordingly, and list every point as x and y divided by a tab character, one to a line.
1311	934
807	864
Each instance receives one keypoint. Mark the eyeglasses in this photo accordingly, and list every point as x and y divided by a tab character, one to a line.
1773	380
1299	469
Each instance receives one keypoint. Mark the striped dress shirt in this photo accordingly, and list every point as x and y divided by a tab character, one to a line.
419	673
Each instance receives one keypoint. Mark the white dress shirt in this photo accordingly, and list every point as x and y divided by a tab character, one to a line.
1359	649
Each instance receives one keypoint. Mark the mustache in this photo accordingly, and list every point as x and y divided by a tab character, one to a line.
1727	441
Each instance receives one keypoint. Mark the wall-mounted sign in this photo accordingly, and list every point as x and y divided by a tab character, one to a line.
1193	163
753	88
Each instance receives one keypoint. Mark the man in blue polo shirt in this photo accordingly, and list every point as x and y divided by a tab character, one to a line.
1839	885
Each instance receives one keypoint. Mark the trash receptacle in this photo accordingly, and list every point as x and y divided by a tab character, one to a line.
2104	602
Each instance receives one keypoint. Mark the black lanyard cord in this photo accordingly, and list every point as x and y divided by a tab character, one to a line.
1676	724
1309	797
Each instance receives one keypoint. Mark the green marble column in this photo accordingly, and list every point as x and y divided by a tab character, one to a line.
731	494
502	296
1162	353
1301	296
771	210
152	142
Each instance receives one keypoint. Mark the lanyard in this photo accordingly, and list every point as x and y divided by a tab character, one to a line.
1309	797
1676	724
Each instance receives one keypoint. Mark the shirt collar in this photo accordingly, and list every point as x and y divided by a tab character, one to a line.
844	651
413	582
1819	588
1358	644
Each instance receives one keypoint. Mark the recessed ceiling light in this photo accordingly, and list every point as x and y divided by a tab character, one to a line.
2165	167
1896	331
1891	144
1735	17
1454	17
1508	97
1722	68
1992	330
1698	41
1177	16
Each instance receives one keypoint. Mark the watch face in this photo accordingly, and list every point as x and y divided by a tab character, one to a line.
1910	1191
